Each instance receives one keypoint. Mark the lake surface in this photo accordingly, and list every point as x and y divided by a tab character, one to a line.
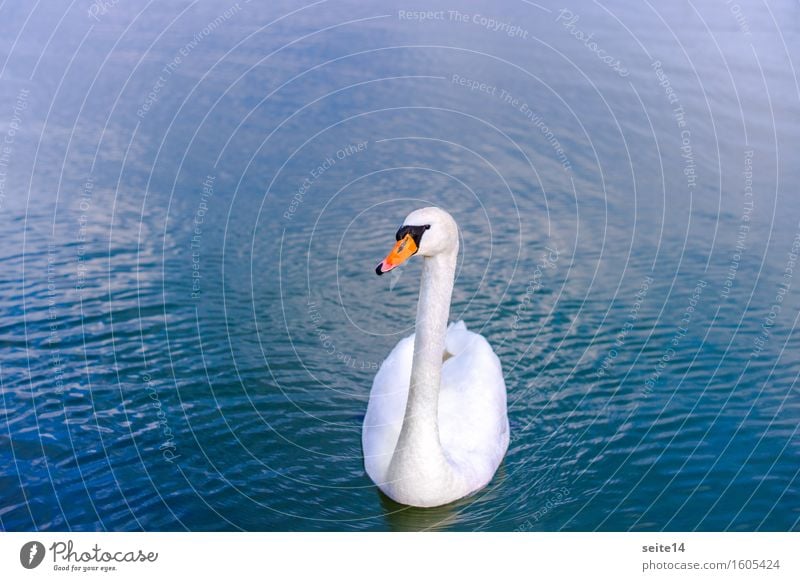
194	196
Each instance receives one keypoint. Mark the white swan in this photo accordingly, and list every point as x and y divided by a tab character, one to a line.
436	427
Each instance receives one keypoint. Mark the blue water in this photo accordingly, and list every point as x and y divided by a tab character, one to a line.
193	198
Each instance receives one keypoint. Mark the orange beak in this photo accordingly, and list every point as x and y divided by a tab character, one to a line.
402	251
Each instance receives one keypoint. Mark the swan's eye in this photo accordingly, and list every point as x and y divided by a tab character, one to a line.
415	231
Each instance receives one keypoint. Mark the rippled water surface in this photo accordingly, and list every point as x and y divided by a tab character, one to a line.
193	198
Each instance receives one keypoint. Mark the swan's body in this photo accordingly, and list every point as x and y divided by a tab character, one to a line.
436	427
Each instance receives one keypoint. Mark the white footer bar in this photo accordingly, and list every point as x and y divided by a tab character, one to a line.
352	556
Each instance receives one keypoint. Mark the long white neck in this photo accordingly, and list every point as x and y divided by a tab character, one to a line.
418	459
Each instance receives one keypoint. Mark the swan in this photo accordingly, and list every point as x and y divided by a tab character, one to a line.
436	426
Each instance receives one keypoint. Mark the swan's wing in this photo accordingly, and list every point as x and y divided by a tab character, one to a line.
473	421
386	408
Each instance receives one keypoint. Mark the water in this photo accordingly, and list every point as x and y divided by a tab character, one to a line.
194	198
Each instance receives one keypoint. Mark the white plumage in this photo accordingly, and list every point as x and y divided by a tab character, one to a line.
449	439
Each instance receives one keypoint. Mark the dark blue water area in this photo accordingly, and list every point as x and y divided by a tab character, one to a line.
193	198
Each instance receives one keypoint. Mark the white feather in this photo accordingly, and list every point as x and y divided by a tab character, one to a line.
471	419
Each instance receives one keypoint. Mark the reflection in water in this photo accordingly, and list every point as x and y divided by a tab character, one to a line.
409	518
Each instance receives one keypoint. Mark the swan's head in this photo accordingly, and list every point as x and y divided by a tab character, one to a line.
427	232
